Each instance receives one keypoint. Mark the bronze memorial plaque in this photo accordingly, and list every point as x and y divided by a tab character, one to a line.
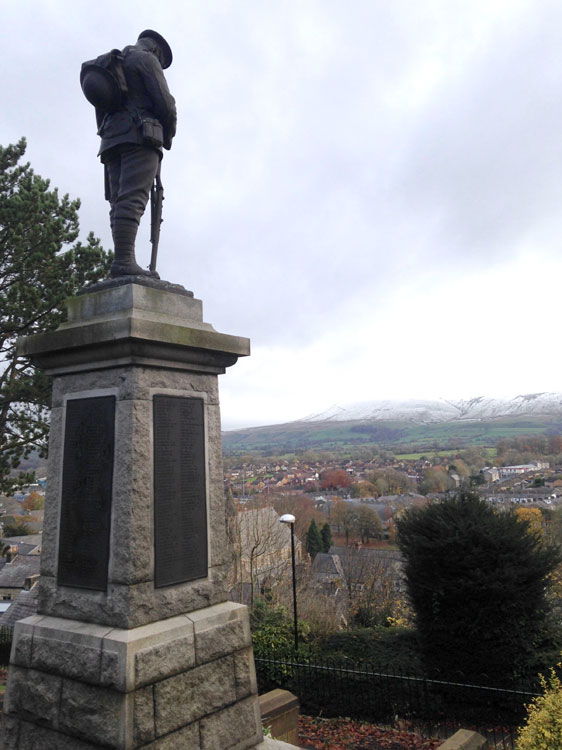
180	508
87	481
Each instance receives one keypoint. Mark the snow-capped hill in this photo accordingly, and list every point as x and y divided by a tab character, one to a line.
442	410
410	410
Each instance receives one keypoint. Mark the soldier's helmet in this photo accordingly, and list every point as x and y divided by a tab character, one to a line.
162	43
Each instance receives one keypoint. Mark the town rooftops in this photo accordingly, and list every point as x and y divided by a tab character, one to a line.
14	574
27	545
326	567
24	606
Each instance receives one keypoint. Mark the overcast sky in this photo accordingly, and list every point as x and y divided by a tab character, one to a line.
370	190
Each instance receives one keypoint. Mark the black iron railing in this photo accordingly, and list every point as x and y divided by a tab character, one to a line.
429	707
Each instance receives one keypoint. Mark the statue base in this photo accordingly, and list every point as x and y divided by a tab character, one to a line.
185	682
134	644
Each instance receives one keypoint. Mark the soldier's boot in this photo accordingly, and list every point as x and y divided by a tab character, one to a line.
124	233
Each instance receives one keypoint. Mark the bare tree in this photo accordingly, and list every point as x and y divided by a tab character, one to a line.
344	517
302	507
372	582
261	549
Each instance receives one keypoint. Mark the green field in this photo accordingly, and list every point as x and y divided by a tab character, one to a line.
491	452
297	437
422	454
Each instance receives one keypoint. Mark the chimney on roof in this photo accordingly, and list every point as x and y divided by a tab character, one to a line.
30	582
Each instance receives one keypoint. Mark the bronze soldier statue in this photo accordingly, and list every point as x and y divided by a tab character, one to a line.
133	134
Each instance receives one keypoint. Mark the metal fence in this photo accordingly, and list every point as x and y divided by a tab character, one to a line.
429	707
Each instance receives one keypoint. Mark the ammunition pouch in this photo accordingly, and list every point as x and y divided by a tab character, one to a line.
152	132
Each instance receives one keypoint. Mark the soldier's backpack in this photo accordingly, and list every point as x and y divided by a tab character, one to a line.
103	81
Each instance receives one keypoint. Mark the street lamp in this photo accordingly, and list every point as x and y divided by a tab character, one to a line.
290	519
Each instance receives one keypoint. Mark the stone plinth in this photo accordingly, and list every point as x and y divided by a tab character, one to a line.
280	713
185	682
133	343
120	660
464	739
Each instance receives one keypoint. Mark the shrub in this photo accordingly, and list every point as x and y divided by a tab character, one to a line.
477	580
543	727
389	648
273	632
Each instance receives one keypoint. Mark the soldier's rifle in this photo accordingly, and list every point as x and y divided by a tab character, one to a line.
156	200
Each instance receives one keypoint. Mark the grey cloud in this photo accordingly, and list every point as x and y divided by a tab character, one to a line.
308	170
485	159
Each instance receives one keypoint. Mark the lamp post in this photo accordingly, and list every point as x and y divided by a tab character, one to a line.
288	518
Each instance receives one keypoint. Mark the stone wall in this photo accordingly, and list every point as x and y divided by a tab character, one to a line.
190	676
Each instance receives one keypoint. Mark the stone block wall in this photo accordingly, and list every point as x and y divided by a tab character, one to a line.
187	682
280	713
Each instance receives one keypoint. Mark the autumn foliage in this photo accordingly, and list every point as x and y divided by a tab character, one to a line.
543	727
34	501
533	517
346	734
334	479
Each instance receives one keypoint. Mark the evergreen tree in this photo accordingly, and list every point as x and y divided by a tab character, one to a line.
38	270
327	538
477	580
313	540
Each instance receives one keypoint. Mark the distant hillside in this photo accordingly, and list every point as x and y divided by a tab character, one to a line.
442	410
428	425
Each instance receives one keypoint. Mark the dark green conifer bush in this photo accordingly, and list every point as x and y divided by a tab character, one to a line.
477	580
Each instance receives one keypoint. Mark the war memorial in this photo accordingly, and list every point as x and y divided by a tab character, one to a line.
135	644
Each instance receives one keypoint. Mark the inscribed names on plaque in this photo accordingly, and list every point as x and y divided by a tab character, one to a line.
180	505
87	482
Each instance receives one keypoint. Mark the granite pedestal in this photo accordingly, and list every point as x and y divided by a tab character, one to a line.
135	644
